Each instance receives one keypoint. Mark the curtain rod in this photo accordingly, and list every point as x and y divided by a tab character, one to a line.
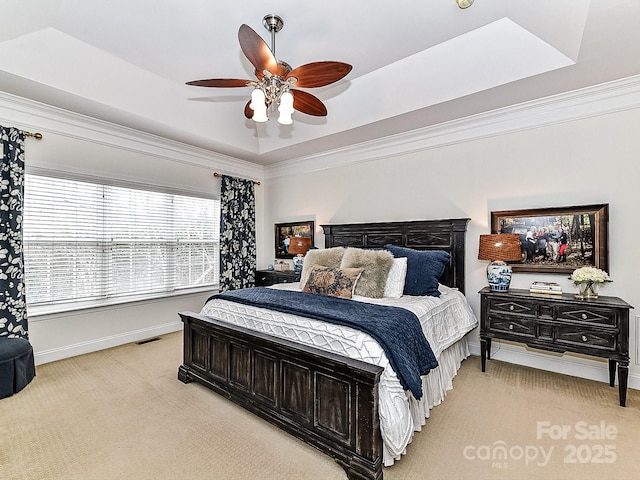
216	174
37	135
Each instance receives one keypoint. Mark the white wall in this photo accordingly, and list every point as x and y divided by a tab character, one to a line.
78	145
577	162
581	162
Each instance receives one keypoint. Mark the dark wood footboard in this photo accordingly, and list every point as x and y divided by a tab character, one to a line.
326	400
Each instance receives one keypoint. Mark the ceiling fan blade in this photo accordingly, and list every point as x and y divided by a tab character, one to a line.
306	103
256	50
221	82
248	111
319	74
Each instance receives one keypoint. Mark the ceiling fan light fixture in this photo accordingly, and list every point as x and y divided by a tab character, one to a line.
286	109
275	78
258	106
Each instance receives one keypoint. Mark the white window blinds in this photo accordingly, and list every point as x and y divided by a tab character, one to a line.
86	241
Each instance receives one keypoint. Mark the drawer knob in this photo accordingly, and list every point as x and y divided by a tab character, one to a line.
584	338
511	307
511	326
584	316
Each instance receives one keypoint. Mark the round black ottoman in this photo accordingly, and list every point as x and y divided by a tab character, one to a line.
17	367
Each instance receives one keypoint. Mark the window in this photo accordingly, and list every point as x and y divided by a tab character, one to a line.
88	242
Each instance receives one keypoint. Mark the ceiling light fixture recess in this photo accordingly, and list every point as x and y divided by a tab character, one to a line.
275	78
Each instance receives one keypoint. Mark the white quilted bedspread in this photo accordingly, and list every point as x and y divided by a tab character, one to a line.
444	320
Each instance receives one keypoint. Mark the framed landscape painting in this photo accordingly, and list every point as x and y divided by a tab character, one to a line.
558	240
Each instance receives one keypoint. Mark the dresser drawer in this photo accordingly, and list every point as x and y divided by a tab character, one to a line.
265	278
286	278
587	315
585	337
515	306
516	326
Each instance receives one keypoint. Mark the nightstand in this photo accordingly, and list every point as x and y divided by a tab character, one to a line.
264	278
559	323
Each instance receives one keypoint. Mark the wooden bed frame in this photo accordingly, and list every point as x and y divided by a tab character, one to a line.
326	400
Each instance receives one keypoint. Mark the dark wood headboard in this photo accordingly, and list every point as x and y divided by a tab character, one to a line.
447	235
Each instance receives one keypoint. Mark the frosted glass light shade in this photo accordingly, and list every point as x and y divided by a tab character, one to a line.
286	108
258	106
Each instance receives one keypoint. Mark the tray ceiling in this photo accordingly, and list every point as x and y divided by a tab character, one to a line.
414	65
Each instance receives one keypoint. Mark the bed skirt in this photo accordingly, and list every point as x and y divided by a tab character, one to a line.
435	386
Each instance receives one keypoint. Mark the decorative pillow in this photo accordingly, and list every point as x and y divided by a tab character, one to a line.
335	282
424	268
375	264
328	257
395	280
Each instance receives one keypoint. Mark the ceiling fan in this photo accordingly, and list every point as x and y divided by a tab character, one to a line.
275	78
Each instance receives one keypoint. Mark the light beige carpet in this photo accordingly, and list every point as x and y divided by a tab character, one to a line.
122	414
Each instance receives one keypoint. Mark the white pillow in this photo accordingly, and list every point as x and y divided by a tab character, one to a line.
395	280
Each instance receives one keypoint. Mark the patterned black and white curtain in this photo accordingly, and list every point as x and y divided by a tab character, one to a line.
237	233
13	309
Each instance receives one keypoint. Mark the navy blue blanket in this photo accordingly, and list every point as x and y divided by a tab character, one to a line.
397	330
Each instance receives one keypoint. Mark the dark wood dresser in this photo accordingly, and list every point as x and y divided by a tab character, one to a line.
559	323
264	278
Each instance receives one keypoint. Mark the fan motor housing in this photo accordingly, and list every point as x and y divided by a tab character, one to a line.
273	23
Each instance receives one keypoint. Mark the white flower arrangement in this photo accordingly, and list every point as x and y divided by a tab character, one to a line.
589	275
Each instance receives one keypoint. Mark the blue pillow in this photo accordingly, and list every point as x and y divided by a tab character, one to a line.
424	269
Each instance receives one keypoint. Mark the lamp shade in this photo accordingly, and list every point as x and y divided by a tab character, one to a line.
500	246
299	245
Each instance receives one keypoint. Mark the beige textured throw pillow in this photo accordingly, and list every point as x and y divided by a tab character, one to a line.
375	264
328	257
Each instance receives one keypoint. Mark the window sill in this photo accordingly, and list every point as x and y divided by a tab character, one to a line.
41	311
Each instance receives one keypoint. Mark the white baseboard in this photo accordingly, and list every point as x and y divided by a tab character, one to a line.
564	364
552	362
94	345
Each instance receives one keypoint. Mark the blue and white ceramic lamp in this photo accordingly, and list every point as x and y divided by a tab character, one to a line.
499	248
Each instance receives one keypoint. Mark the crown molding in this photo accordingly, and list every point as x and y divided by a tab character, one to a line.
35	116
579	104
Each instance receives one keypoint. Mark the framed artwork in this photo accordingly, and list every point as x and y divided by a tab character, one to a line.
558	240
294	238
